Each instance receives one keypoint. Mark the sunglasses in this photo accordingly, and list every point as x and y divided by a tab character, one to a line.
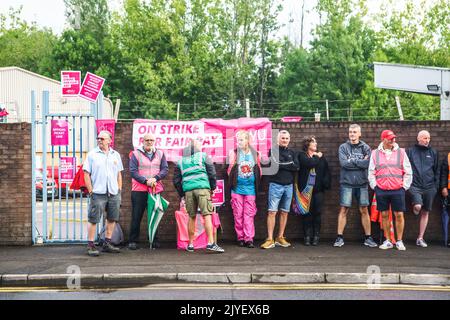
149	140
102	139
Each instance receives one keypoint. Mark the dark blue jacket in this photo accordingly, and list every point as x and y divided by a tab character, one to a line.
425	165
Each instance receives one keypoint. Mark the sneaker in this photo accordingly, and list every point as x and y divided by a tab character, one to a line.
108	247
241	243
190	248
421	243
386	245
281	241
214	248
132	246
93	251
249	244
370	243
268	244
339	242
400	246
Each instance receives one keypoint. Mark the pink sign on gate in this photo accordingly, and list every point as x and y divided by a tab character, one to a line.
60	132
67	167
217	136
92	85
70	83
106	125
218	197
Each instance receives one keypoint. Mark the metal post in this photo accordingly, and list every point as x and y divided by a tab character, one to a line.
33	166
399	107
328	111
178	111
247	108
45	108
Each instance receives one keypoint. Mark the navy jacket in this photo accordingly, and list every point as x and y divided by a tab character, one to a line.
425	165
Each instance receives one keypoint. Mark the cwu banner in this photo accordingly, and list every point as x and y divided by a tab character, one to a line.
218	136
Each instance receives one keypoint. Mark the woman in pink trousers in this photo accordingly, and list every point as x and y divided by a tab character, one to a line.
244	177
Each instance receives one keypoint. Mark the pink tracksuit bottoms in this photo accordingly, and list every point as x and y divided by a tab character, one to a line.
244	211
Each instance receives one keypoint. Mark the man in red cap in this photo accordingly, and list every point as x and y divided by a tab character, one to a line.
390	175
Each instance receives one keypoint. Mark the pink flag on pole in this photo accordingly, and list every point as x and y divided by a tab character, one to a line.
92	85
60	132
70	83
106	125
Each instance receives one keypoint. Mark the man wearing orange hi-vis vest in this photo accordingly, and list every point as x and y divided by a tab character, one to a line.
390	175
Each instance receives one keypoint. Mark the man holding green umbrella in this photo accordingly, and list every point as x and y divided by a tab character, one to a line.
195	179
148	166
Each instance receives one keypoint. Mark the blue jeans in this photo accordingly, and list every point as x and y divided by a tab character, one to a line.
280	197
361	195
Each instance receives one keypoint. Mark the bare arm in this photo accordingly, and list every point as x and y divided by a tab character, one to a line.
87	181
119	180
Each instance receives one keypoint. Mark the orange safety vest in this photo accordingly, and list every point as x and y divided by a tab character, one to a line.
389	172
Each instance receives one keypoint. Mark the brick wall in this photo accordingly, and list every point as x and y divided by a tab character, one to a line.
15	184
329	136
15	179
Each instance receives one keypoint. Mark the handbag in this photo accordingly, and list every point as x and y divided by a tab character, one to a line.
301	201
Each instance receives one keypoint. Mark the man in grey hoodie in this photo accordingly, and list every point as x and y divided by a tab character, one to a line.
354	160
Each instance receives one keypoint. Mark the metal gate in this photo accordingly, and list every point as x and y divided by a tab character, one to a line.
59	214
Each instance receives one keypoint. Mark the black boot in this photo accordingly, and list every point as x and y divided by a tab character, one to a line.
315	240
307	240
308	234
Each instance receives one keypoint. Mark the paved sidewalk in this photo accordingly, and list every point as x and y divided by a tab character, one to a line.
298	264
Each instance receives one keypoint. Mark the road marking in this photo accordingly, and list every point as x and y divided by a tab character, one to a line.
233	287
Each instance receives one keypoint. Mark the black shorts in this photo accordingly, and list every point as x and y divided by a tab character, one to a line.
423	197
393	198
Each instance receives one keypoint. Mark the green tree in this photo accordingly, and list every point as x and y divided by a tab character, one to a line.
24	45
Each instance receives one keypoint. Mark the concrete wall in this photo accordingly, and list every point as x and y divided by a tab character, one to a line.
15	179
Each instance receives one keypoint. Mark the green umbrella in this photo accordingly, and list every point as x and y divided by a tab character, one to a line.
156	205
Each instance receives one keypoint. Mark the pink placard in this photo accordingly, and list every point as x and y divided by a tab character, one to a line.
106	125
92	85
218	197
217	136
60	132
70	83
67	167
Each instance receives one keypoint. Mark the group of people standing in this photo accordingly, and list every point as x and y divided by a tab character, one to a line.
296	185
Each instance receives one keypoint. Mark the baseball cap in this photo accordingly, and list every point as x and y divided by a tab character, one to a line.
388	134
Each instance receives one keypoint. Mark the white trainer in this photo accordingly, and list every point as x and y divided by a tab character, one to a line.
421	243
400	246
386	245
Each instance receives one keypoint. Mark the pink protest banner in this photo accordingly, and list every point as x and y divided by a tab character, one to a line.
70	83
217	136
67	167
60	132
106	125
260	130
218	197
92	85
